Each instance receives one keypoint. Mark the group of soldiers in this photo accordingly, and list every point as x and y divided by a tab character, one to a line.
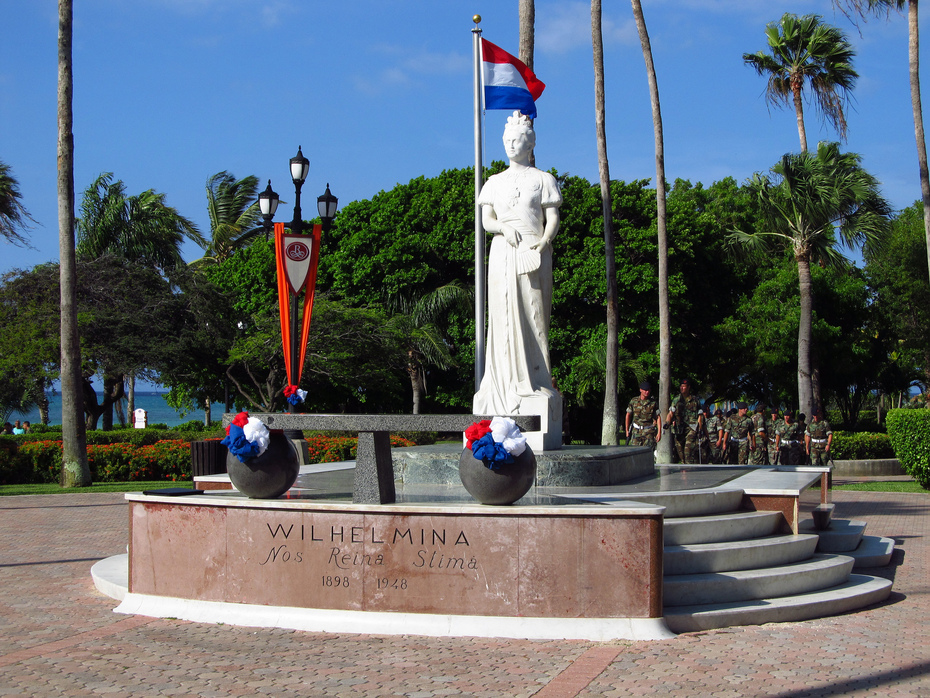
700	437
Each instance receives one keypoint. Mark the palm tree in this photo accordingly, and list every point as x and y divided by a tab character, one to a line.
140	228
664	447
75	471
610	422
13	215
884	7
807	52
418	325
812	202
234	215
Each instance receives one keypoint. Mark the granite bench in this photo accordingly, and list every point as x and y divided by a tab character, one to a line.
374	471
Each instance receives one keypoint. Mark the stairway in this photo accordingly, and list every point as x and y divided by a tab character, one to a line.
726	567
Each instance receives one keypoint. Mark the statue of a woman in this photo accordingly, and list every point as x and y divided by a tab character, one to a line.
521	207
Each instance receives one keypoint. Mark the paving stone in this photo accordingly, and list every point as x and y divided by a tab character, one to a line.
59	636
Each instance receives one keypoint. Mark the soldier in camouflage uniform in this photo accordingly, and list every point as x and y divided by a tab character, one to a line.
759	455
770	428
643	423
818	439
787	441
742	433
716	428
686	416
800	430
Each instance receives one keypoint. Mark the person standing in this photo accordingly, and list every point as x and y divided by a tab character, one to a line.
770	429
717	434
759	455
685	414
818	439
786	440
643	422
742	433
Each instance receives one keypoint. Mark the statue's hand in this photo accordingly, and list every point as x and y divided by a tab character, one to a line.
511	235
540	245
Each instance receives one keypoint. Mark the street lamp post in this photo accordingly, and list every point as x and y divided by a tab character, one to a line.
327	205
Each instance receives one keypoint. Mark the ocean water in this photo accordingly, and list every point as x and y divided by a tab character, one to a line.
152	402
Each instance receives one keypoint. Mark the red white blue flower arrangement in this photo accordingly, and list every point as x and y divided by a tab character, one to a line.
495	441
246	437
294	394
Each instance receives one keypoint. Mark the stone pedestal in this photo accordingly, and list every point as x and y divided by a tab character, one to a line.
549	409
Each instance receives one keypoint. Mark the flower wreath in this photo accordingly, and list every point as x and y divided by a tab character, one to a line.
495	441
246	437
294	394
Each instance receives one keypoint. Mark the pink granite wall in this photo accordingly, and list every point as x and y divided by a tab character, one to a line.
401	560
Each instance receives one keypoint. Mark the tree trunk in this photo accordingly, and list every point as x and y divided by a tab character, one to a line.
610	423
527	11
799	111
131	396
664	447
805	394
416	384
208	413
42	401
75	471
913	56
527	42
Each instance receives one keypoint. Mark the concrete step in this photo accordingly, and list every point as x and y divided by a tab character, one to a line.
677	503
770	551
873	551
818	572
858	592
840	536
716	528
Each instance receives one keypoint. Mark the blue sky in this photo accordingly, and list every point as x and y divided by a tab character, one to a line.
169	92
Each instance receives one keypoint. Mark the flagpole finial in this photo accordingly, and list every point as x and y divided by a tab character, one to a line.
476	19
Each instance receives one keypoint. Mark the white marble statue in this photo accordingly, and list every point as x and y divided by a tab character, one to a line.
521	207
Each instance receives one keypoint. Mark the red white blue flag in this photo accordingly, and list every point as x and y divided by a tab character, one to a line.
508	83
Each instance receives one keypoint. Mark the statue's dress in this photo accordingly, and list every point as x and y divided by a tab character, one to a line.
519	293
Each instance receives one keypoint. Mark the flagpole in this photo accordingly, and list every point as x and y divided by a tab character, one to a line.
480	274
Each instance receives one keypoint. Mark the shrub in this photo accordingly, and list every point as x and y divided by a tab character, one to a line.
909	430
333	449
860	446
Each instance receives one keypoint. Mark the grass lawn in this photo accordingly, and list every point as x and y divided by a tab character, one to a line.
51	488
880	486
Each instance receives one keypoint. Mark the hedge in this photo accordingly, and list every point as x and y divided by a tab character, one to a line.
32	460
910	436
36	461
860	446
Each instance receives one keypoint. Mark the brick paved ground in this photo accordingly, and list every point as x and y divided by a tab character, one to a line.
58	635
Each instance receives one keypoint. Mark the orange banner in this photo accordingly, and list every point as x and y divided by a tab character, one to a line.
287	286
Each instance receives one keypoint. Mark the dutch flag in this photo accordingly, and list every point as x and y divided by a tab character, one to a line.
508	83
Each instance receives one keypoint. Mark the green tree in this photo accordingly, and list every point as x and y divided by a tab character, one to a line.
232	205
810	204
902	297
14	218
884	7
418	324
805	52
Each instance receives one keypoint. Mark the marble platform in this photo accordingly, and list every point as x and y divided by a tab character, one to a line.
443	567
570	466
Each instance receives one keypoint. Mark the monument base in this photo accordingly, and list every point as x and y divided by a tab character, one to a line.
463	567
